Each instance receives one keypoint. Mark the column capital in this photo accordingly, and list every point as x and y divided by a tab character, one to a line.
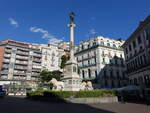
71	25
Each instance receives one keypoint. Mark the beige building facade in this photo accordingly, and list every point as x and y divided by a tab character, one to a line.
102	59
137	55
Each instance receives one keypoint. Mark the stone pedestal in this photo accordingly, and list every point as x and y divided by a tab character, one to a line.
71	79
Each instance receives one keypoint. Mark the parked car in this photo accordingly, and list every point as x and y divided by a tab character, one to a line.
2	92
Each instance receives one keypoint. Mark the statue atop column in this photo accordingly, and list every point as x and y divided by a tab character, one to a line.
71	15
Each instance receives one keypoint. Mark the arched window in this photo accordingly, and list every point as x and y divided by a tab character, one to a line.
82	46
108	44
94	43
114	46
102	43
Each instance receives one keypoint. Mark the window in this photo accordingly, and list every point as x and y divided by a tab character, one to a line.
111	73
130	47
89	71
103	60
120	55
82	46
134	44
102	43
139	40
117	74
126	50
147	33
83	74
95	73
114	46
74	69
104	73
94	43
108	44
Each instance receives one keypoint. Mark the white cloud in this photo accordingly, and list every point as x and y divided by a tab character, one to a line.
91	20
91	32
13	22
46	35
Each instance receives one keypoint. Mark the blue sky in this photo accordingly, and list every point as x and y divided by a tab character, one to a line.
38	21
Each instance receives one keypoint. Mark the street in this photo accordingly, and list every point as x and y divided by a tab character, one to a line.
22	105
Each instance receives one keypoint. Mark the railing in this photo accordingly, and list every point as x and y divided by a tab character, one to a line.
22	62
36	60
38	67
21	67
6	60
37	55
4	72
21	57
8	51
7	55
22	53
5	66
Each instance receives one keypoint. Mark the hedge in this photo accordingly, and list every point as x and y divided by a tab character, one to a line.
70	94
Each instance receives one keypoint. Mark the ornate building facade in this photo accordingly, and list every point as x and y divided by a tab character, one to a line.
137	54
51	57
102	59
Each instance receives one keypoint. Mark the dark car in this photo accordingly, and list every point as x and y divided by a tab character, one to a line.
2	92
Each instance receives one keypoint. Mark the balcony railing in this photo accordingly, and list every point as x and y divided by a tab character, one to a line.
37	67
22	62
7	55
37	55
21	57
21	67
5	66
22	53
8	50
37	60
6	60
4	72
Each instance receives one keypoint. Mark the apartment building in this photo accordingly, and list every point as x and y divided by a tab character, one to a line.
102	59
51	57
137	54
19	61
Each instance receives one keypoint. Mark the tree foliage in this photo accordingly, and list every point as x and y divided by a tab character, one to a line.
46	76
64	59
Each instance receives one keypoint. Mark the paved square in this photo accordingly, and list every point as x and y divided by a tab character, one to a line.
21	105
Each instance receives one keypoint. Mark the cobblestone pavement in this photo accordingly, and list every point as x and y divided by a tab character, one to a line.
21	105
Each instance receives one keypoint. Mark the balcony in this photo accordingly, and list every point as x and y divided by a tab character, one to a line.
6	60
21	58
7	55
22	53
37	66
37	60
8	50
21	62
4	72
5	66
88	65
36	70
19	73
21	67
37	55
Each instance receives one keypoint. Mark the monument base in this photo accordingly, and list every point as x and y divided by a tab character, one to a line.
71	83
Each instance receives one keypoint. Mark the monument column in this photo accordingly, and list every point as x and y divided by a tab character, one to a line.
71	79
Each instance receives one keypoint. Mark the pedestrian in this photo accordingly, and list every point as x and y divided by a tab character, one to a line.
122	96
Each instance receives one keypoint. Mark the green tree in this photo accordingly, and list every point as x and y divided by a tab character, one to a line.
64	59
46	76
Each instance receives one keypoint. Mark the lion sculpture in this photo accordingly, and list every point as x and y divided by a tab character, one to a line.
57	85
